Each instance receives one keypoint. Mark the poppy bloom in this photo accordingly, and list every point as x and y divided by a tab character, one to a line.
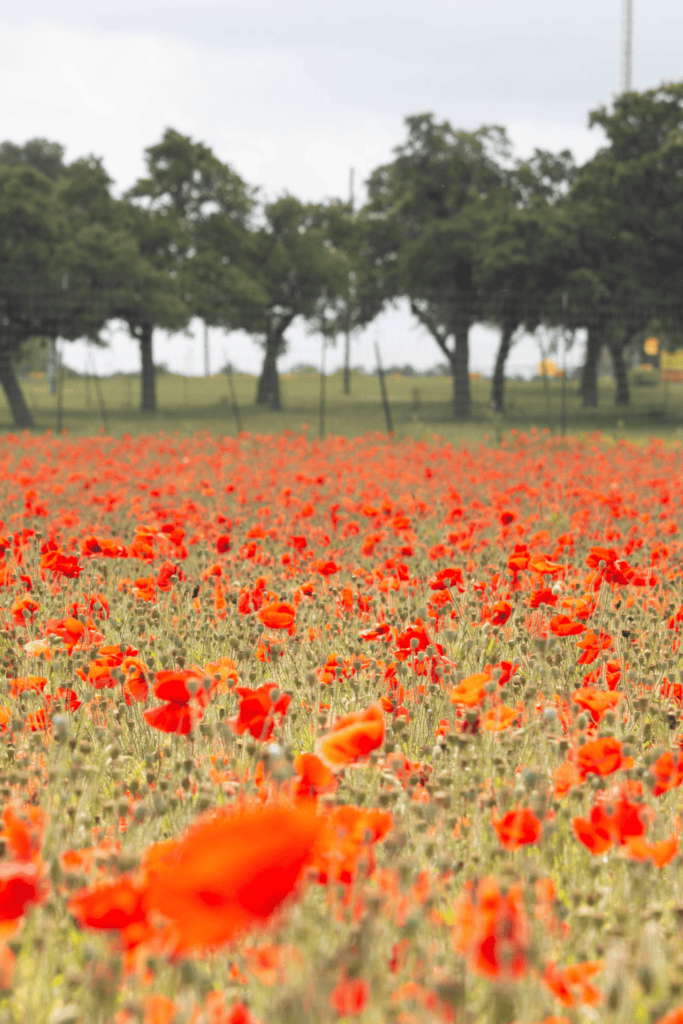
667	771
491	930
446	579
609	824
471	690
350	997
110	905
517	828
278	615
562	625
597	702
592	645
352	737
572	985
347	840
500	613
186	698
229	872
499	718
259	710
602	757
20	886
659	853
312	776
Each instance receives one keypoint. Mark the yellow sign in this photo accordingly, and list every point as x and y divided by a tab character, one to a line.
549	368
672	360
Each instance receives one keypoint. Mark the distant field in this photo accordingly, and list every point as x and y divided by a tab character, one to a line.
419	407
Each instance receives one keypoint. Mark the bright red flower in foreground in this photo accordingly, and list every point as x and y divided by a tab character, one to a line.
352	737
227	873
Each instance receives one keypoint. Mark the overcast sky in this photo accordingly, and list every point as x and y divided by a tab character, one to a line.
293	94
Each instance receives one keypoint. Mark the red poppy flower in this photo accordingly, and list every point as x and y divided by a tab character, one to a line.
562	625
259	711
517	828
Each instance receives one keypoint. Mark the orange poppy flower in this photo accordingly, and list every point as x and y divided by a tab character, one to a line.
350	997
572	985
602	757
499	718
352	737
313	776
470	690
278	615
23	830
660	853
346	841
597	702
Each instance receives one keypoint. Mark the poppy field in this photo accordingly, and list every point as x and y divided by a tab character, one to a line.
343	730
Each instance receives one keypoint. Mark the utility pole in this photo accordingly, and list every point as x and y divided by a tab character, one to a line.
626	63
206	351
347	331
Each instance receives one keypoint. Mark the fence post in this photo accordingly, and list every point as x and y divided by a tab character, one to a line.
233	398
383	389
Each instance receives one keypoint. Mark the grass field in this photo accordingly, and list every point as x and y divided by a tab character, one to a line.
419	407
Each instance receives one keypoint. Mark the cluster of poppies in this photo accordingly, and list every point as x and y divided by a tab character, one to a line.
355	729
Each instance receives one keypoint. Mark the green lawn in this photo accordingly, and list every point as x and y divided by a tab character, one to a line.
419	407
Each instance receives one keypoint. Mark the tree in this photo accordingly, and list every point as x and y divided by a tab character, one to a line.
297	267
46	156
525	251
360	298
198	211
32	227
627	203
426	212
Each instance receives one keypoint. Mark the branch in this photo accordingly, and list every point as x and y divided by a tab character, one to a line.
438	333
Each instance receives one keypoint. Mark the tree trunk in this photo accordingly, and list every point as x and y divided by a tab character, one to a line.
498	384
268	391
623	395
460	368
21	414
589	373
149	391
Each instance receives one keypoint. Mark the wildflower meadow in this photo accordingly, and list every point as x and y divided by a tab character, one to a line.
346	730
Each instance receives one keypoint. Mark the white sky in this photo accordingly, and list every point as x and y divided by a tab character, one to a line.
294	94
